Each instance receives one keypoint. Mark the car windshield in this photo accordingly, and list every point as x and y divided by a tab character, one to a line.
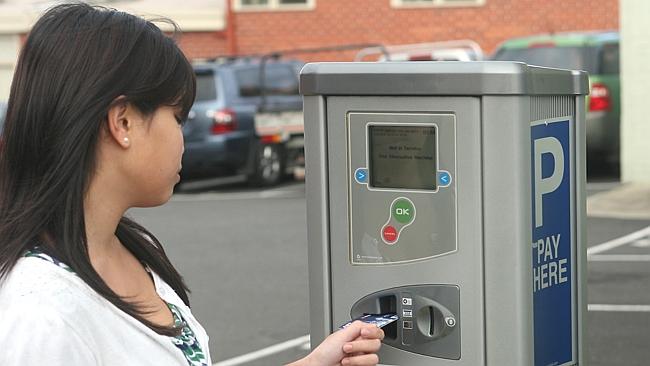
206	86
573	58
280	79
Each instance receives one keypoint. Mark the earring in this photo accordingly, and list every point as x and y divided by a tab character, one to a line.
126	140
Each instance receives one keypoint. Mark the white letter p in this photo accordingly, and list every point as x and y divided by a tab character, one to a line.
546	145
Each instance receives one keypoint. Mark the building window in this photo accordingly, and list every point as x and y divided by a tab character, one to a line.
432	3
261	5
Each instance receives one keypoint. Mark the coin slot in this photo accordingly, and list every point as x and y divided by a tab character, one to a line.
426	321
432	320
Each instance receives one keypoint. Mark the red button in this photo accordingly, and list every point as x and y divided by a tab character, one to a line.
389	234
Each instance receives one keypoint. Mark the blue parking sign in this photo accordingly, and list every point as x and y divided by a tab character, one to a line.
552	241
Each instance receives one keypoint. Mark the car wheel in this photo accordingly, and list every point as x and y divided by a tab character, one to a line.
268	166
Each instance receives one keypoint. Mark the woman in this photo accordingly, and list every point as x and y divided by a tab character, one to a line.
93	128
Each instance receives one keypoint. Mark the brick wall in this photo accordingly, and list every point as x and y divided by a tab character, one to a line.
336	22
203	44
194	44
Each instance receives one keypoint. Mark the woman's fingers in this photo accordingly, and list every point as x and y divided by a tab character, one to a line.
362	346
372	332
359	329
364	360
354	345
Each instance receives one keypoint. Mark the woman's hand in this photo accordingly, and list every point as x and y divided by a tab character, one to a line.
355	345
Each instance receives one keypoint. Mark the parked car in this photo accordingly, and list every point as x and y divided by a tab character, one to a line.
243	125
456	50
594	52
3	111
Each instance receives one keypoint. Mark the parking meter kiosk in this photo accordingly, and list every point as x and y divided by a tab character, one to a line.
451	194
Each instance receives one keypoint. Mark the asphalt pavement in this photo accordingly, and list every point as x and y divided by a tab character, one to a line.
243	253
618	238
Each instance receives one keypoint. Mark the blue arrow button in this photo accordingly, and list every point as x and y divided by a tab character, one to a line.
361	175
444	178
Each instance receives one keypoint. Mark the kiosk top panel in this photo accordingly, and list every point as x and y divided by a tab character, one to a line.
439	78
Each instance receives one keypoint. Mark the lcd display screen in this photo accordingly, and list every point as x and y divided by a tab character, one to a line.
402	157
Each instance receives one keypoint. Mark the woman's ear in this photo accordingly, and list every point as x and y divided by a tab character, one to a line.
119	122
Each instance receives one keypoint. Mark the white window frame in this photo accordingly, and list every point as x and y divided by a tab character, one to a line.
436	3
274	5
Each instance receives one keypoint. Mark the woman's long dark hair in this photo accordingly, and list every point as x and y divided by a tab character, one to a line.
76	61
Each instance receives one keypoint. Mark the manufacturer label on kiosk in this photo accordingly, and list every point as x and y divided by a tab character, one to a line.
552	241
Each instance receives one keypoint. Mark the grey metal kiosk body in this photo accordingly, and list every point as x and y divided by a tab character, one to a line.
451	194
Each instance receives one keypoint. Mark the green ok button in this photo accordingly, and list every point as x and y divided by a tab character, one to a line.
403	211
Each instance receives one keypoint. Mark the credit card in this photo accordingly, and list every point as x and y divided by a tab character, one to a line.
380	320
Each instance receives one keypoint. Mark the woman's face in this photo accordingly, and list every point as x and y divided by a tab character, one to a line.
157	148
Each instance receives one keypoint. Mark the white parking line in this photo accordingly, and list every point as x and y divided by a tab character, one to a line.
618	242
602	186
236	196
618	308
265	352
620	258
641	243
224	196
593	256
303	342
